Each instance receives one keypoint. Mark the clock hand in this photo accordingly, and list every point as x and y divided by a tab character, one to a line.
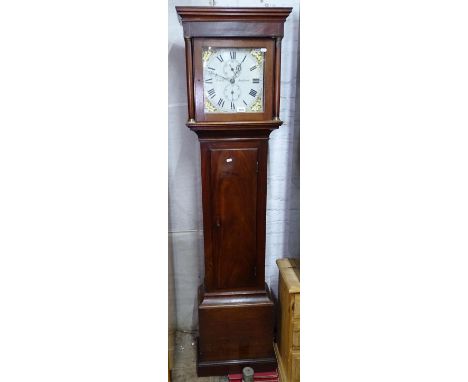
217	75
238	70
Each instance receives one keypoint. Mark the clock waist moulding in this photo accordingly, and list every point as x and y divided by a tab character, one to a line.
233	66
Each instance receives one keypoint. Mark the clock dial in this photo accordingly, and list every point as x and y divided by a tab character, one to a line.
233	79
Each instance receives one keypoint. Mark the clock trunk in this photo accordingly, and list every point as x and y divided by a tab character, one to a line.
234	183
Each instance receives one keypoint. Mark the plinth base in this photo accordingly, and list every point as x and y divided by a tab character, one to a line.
236	330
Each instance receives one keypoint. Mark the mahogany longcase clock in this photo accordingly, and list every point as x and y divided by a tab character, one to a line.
233	62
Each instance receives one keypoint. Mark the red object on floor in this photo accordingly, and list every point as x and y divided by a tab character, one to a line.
268	376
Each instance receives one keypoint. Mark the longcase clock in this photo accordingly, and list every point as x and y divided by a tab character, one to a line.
233	62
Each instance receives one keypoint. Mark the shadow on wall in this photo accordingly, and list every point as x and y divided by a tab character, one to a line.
283	221
294	194
184	255
177	86
184	152
185	211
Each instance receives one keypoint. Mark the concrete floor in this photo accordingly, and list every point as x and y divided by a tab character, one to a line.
184	369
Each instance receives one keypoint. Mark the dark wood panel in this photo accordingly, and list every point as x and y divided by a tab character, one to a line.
189	75
238	332
233	29
234	205
234	208
276	106
237	326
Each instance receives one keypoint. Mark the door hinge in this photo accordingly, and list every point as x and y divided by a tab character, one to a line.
255	271
257	167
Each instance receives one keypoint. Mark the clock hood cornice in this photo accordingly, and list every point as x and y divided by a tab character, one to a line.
233	14
232	22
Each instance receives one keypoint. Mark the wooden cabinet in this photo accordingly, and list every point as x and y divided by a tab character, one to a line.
233	67
287	348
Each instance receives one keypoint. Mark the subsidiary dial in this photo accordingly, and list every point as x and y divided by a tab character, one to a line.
232	92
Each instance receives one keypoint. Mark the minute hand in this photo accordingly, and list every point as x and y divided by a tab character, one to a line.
217	75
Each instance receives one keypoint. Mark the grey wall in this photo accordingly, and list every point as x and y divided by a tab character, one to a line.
185	209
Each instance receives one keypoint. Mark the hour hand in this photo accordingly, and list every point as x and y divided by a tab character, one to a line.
238	70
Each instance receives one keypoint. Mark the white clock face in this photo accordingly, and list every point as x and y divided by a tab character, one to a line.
233	79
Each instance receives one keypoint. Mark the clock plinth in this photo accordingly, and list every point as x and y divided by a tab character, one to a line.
233	58
235	331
